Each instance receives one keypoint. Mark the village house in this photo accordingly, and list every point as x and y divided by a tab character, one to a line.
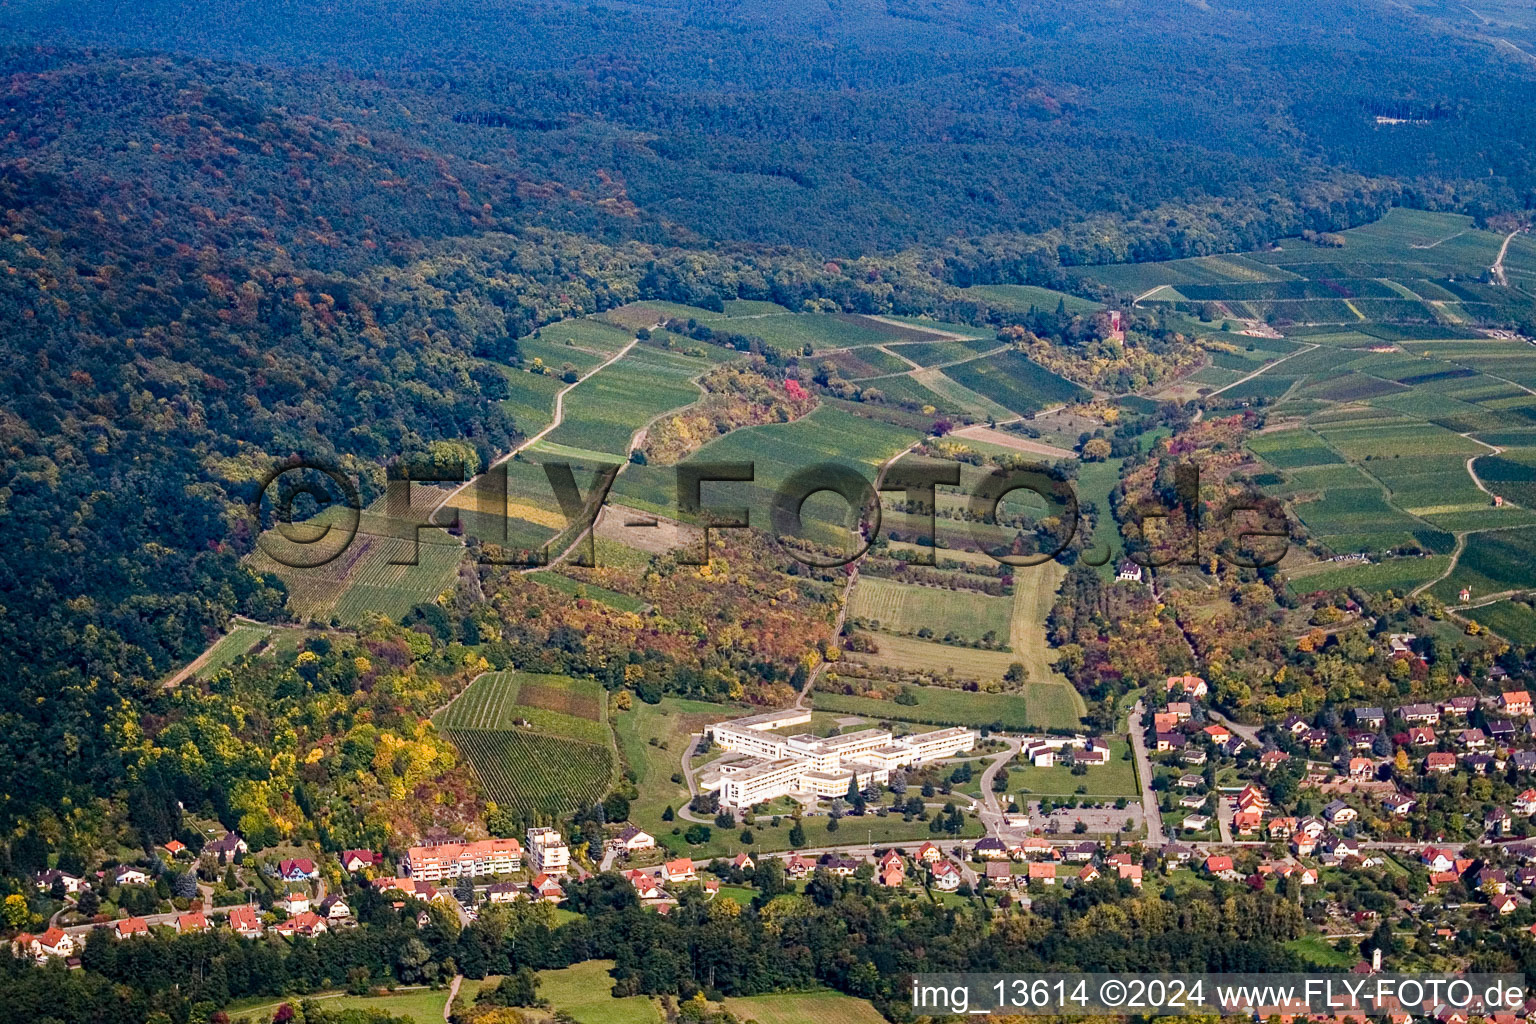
1194	756
1131	873
1216	733
45	880
1220	865
129	927
1371	718
998	875
1246	823
353	861
245	922
545	888
1525	804
1399	804
126	875
744	861
1193	802
192	921
798	867
307	924
334	908
1340	813
1472	739
296	901
1043	872
174	847
928	853
1089	873
893	874
1361	768
1303	845
633	840
1128	572
680	870
1515	702
1080	853
1437	860
1281	828
1440	763
991	848
1272	759
1419	714
1167	741
298	870
1190	686
1195	823
227	847
946	877
510	892
1421	736
56	942
1499	729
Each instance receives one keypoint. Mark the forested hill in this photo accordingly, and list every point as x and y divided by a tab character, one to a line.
857	127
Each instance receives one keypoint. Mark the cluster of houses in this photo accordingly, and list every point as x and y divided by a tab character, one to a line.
1047	751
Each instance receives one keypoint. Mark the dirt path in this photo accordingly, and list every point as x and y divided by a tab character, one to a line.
1499	277
559	417
1461	543
453	993
1017	442
944	335
1262	369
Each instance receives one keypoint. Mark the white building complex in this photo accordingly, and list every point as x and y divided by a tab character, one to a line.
810	765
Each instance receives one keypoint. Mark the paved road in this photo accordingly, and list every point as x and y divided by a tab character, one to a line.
1149	808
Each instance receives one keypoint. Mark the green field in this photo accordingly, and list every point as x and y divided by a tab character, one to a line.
603	412
1515	621
560	759
1024	296
829	434
242	638
1399	575
423	1005
555	705
906	608
1117	778
576	588
585	992
1041	706
1492	563
1014	382
803	1008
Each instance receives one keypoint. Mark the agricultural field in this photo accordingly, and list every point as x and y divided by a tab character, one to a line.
556	705
242	639
539	743
1515	621
1040	706
907	608
1399	575
365	578
1014	382
1491	563
1023	297
830	434
591	591
604	412
803	1007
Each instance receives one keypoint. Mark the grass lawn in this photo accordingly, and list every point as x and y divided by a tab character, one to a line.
585	992
1321	952
1041	706
908	607
801	1007
1118	778
423	1005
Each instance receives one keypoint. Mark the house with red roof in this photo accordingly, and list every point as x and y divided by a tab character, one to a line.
307	924
298	870
130	926
680	870
192	921
245	922
356	860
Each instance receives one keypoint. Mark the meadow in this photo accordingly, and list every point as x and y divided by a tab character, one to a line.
1040	706
801	1007
242	638
907	608
584	992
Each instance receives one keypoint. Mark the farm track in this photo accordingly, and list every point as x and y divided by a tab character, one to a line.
1499	277
1266	367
